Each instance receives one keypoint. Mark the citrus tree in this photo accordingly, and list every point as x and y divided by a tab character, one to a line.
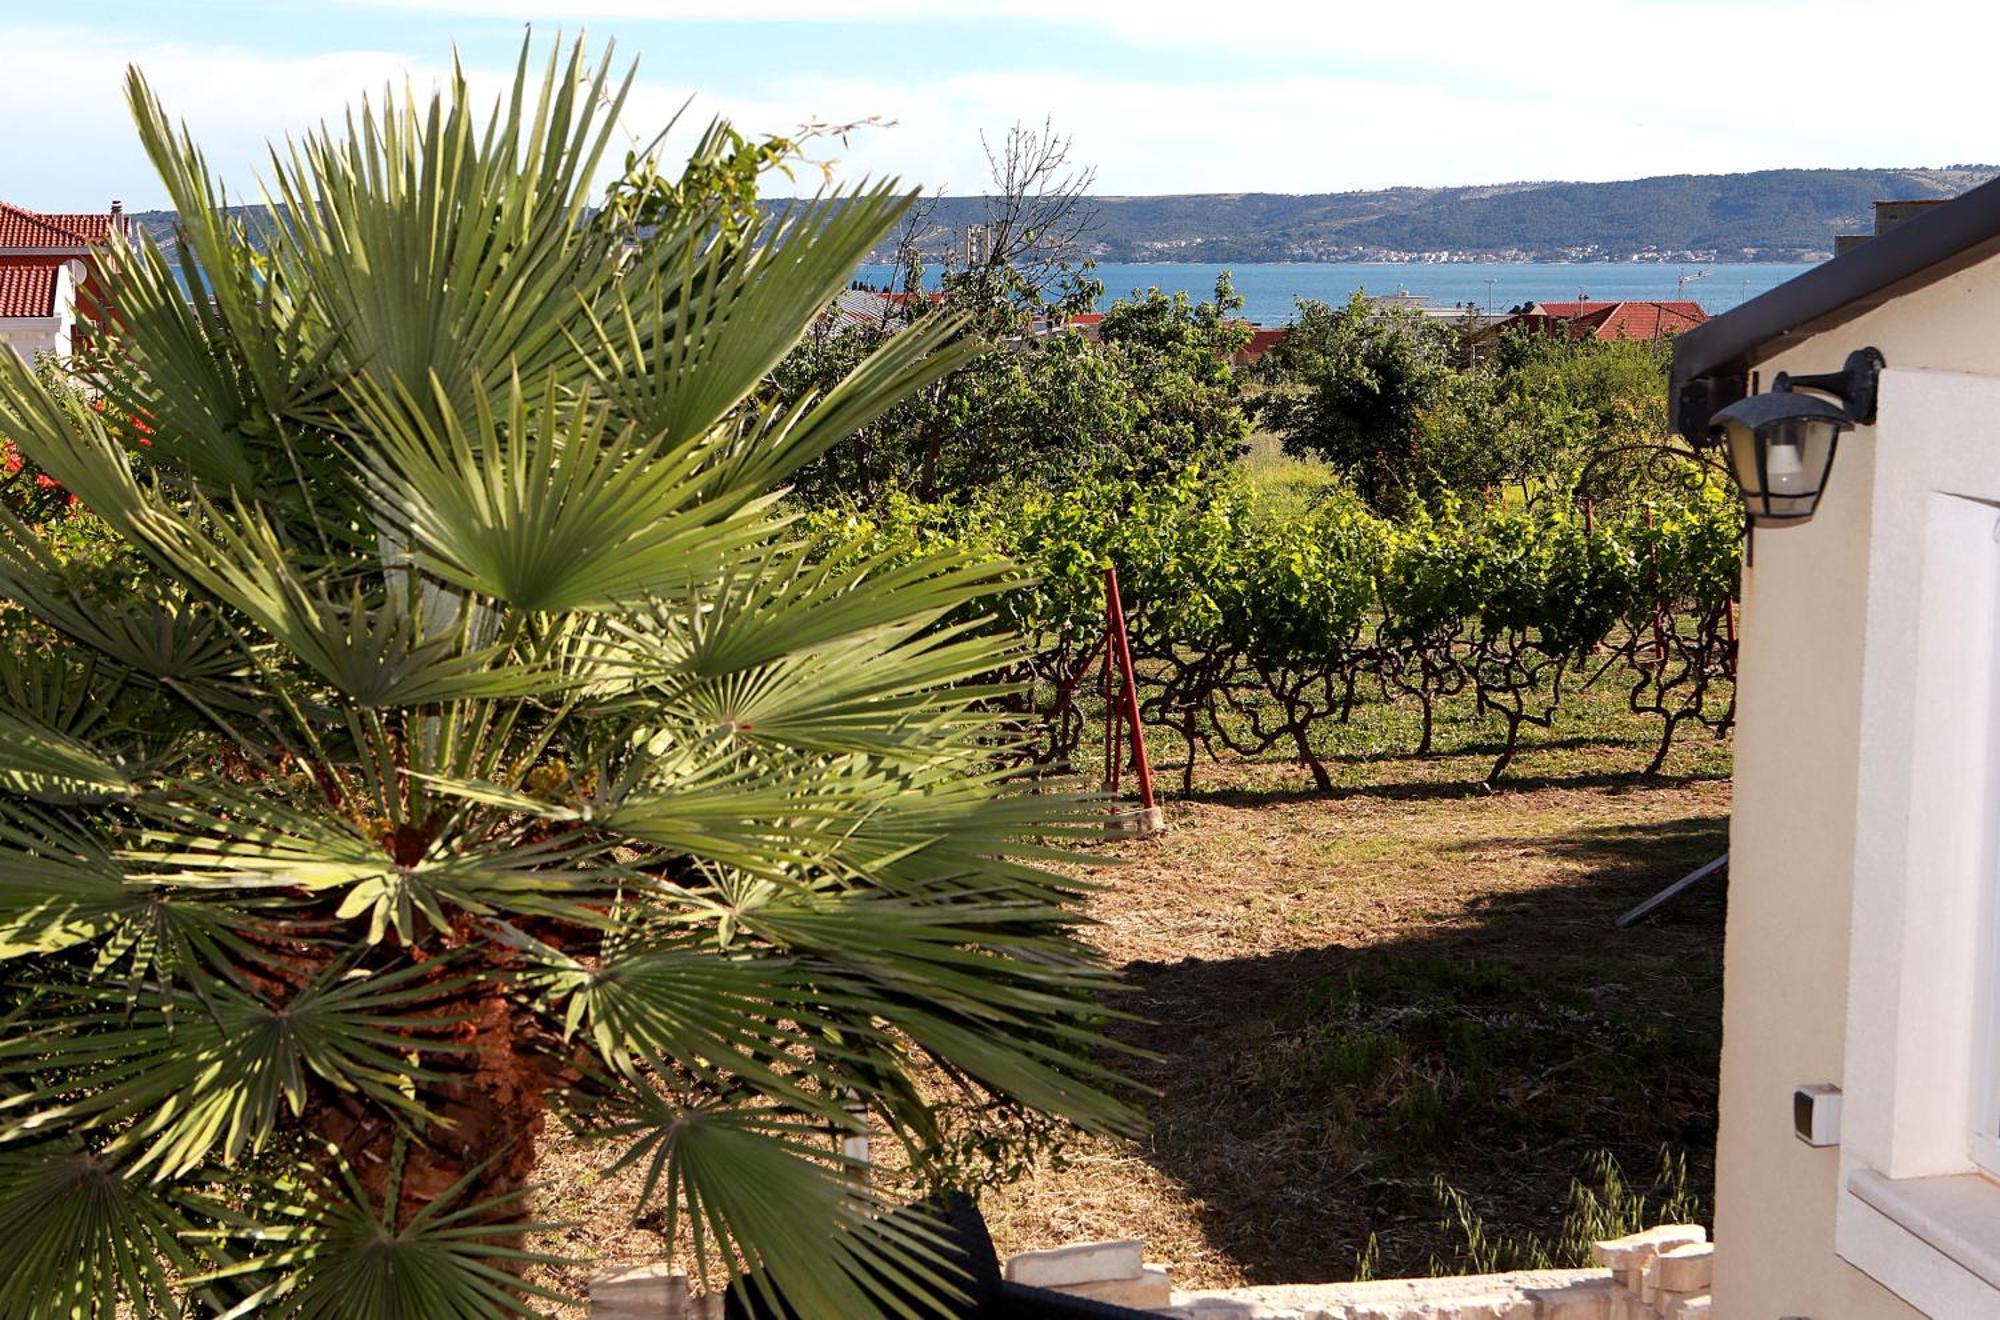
447	735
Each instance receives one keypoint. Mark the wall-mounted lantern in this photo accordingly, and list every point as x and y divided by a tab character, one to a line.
1780	444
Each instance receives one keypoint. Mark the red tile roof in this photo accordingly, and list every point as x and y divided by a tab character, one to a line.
28	287
1262	341
22	228
1617	320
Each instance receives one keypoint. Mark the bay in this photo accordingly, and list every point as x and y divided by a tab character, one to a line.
1269	288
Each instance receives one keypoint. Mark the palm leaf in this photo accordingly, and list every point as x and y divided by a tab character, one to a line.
336	1254
549	505
44	762
762	1183
79	1233
182	1079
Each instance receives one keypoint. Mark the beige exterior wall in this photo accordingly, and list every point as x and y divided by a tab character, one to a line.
32	338
1792	839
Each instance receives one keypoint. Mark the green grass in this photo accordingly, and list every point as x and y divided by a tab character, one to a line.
1283	482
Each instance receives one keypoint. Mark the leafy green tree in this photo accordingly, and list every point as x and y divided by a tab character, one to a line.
1179	357
1352	385
1154	393
452	740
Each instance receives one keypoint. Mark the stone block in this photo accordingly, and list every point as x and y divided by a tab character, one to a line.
1150	1290
639	1292
1220	1308
1690	1308
1588	1300
1078	1262
1687	1269
1146	822
1634	1250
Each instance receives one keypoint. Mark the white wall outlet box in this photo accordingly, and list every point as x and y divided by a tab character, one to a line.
1816	1114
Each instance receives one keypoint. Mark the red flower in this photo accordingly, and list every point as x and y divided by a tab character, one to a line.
46	482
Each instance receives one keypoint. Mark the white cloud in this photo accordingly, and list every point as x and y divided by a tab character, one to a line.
69	85
1308	98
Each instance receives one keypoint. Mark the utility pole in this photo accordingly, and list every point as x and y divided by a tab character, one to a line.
1490	282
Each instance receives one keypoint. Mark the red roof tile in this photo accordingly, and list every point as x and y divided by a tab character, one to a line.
28	287
22	228
1262	341
1621	320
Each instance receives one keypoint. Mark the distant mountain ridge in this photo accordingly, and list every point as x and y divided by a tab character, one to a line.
1767	215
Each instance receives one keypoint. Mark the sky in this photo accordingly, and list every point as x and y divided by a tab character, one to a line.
1157	95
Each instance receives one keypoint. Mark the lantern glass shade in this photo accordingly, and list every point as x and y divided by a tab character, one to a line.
1781	448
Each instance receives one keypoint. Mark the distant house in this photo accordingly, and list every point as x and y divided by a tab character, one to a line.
1262	341
38	305
49	276
1607	320
874	309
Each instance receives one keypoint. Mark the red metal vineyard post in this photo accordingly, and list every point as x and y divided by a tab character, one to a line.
1121	646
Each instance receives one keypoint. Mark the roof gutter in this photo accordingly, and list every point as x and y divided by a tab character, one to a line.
1712	362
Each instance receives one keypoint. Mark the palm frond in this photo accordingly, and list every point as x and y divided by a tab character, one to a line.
42	761
230	841
81	1235
435	249
327	1251
549	505
158	638
181	1079
762	1185
61	886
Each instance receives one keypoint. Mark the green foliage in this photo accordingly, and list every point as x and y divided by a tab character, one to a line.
1607	1206
1407	410
1154	392
718	184
1253	623
1361	379
440	731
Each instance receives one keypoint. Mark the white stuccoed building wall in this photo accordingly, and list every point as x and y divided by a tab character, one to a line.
33	336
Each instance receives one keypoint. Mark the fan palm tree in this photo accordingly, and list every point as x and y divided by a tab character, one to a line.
451	735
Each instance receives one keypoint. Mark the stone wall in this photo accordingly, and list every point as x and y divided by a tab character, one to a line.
1660	1274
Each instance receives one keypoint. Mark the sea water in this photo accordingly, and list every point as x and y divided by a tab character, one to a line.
1270	288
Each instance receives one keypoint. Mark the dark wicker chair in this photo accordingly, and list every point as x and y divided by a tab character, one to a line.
970	1246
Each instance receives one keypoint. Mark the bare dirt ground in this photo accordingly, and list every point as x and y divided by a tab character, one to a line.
1349	997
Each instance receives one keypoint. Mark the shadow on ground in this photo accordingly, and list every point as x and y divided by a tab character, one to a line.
1308	1099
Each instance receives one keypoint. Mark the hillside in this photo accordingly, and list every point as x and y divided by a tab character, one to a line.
1770	215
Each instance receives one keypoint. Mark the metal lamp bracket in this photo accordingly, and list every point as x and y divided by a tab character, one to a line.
1855	384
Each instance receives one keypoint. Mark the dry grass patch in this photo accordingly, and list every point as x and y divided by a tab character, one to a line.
1351	996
